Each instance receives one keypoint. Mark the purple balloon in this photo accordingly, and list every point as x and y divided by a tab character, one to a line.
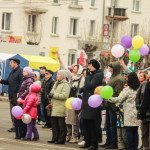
126	41
95	101
144	50
17	111
76	104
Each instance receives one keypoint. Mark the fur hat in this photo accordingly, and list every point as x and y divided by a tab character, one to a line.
95	63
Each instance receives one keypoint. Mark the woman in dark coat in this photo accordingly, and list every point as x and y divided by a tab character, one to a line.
28	79
90	115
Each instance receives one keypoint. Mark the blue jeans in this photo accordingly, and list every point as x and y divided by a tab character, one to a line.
111	128
42	106
132	138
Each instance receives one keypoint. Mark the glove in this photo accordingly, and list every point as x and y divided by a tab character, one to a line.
50	95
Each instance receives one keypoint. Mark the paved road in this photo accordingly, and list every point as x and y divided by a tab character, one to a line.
7	141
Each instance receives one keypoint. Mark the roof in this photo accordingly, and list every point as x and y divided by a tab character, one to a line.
37	61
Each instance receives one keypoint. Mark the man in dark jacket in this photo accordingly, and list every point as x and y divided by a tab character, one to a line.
41	118
116	82
94	78
144	117
13	81
47	86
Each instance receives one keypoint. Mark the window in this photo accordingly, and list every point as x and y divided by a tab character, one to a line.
136	5
92	27
93	3
134	29
74	26
32	23
6	21
115	3
55	25
72	57
74	2
55	1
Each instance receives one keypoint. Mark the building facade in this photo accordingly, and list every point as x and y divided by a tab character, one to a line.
50	25
41	27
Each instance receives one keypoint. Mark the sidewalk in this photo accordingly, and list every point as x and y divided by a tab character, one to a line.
4	98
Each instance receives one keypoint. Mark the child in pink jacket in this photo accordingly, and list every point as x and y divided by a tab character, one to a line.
30	107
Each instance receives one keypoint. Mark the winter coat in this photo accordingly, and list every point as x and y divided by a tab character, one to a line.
140	96
31	102
71	114
47	86
42	77
14	82
129	107
24	89
92	81
116	82
145	106
61	92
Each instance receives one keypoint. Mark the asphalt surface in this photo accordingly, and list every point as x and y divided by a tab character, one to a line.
7	141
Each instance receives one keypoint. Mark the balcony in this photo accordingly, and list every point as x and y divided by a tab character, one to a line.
119	14
35	6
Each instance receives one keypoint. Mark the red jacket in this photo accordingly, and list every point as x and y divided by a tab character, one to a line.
31	101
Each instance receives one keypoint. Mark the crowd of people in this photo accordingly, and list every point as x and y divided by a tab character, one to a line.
43	98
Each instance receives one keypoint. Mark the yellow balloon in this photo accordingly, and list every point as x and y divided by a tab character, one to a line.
137	42
68	103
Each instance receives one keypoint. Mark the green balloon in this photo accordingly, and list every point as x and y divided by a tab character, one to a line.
107	92
134	55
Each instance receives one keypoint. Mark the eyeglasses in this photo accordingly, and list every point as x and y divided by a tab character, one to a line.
46	73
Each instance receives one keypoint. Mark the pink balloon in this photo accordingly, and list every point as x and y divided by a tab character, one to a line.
17	111
117	50
76	104
144	50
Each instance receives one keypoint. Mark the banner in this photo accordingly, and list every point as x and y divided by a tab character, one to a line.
11	39
53	53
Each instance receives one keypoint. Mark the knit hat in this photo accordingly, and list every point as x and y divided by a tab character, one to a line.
95	63
28	70
50	71
37	74
63	73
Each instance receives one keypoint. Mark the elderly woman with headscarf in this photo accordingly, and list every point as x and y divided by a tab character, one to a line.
59	95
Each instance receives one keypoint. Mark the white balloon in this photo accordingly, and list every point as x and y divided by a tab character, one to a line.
117	50
26	118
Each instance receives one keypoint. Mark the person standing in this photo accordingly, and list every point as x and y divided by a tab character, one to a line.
38	82
41	108
72	120
28	79
47	86
144	117
116	82
59	95
30	107
130	113
14	82
90	116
